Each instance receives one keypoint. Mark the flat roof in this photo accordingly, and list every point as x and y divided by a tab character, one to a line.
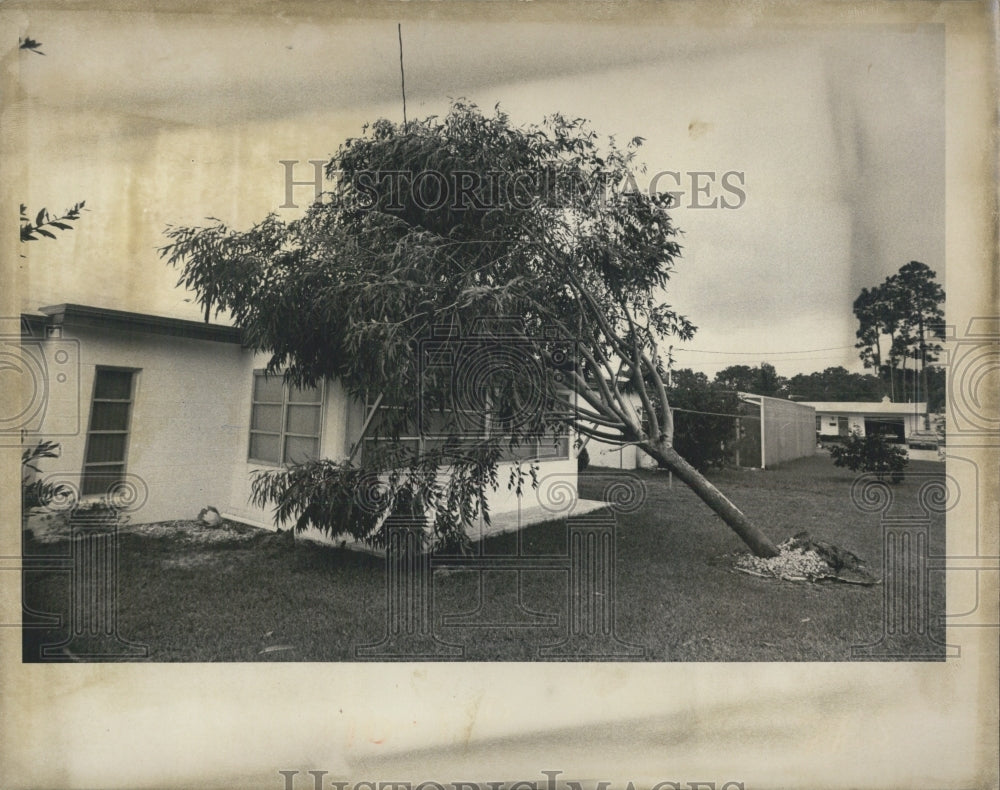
867	407
123	321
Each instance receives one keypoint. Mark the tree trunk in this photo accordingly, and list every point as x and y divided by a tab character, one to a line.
749	533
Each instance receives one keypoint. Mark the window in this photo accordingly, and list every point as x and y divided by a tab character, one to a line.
284	421
107	434
541	448
435	428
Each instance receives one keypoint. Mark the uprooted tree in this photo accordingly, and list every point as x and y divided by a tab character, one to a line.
491	288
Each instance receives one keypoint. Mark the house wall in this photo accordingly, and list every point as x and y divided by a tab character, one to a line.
789	431
333	439
556	489
829	424
913	423
615	456
189	429
184	426
612	455
342	423
856	422
556	479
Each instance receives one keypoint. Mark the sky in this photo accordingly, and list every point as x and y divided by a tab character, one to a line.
834	134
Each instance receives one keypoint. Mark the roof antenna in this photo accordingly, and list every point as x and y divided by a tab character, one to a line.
402	76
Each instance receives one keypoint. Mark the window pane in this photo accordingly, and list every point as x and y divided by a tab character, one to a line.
449	423
436	423
266	418
553	447
267	389
306	395
107	416
405	447
114	384
264	447
103	447
388	420
303	419
99	480
299	449
527	449
454	446
411	447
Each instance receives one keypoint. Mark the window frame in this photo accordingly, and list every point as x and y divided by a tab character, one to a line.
92	467
532	454
283	432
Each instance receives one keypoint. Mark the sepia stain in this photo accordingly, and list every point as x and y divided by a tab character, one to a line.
472	713
698	129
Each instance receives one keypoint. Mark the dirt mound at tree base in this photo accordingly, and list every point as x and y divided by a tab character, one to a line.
805	559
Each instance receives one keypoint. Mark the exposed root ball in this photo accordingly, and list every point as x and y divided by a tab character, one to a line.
803	559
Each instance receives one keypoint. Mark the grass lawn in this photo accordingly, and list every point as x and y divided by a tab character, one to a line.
240	594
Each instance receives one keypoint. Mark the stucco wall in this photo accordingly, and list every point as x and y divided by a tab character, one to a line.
184	427
190	424
610	455
333	439
556	489
856	422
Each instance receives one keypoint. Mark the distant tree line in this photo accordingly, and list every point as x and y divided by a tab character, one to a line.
832	384
704	428
899	324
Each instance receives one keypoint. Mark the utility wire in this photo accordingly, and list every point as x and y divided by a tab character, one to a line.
714	413
761	353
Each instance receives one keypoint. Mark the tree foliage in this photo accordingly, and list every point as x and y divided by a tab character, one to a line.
761	379
871	453
704	423
836	384
30	45
44	222
36	492
538	275
900	320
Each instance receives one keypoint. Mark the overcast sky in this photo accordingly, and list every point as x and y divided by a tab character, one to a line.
834	134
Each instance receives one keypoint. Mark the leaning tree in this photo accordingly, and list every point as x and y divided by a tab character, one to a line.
487	286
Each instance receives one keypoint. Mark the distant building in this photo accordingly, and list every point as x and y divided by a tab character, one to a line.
896	421
765	432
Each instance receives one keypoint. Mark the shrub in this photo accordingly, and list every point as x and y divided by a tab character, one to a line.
96	513
35	492
703	428
705	441
871	453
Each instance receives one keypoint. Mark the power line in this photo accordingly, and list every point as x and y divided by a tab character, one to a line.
712	413
761	353
726	363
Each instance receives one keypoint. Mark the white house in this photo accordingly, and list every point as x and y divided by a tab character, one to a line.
898	421
182	413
